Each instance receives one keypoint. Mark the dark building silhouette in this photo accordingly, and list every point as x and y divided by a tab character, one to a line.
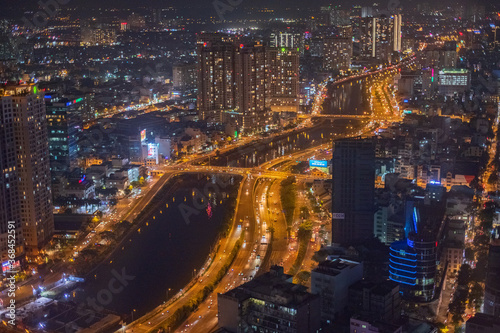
492	286
353	190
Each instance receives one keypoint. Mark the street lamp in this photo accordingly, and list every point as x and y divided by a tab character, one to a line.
132	313
167	292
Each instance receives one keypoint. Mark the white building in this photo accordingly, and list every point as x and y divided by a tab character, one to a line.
331	280
453	80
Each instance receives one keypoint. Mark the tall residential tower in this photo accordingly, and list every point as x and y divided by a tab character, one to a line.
25	107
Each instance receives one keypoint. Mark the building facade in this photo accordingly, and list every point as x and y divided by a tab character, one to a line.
413	260
337	53
64	127
241	84
27	106
353	190
269	303
10	206
331	281
492	285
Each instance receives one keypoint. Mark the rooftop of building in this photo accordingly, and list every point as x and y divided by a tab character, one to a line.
335	267
483	319
274	286
380	289
18	89
382	327
454	71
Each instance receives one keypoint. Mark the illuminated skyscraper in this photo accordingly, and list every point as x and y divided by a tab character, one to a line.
288	40
413	260
284	79
10	208
25	107
242	84
337	53
64	125
396	33
380	36
251	84
216	80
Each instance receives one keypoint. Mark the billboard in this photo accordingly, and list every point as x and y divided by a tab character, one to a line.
318	164
7	267
152	150
143	135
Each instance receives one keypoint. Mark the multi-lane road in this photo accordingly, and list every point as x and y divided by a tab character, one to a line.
243	266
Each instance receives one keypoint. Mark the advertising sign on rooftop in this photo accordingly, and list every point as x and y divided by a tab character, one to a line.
318	164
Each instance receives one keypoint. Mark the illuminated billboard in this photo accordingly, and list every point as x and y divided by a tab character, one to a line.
318	164
152	150
6	267
143	135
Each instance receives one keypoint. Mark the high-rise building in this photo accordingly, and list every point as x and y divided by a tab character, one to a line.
283	79
337	53
353	190
396	33
269	303
26	105
492	285
366	12
375	301
98	32
413	261
385	40
440	57
288	40
252	84
241	84
216	80
10	206
339	16
64	124
184	76
482	323
367	31
136	22
208	39
453	80
380	36
344	31
331	281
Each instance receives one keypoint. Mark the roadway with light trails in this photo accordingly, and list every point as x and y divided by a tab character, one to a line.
149	322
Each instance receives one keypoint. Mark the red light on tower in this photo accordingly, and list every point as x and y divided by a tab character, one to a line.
241	46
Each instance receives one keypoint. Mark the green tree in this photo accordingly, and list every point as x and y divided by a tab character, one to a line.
464	275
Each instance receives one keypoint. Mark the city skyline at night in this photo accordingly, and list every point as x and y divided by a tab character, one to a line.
235	166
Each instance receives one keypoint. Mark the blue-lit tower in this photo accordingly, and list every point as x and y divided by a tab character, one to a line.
413	261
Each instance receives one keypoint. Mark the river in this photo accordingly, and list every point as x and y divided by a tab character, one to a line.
164	253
